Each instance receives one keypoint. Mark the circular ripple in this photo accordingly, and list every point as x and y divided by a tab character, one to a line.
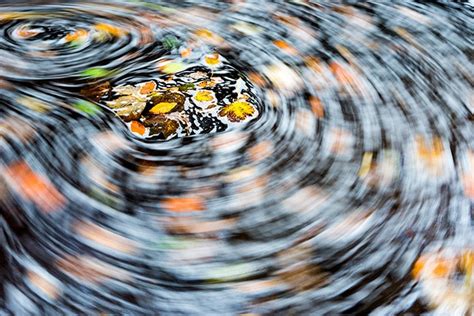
347	195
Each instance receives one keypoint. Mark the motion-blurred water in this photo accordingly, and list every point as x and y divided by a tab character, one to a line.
322	163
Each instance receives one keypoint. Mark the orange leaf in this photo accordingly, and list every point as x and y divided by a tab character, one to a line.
316	106
104	237
137	127
183	204
77	35
284	46
109	29
42	283
36	188
148	87
343	76
185	52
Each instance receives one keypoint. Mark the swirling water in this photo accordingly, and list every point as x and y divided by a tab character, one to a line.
346	188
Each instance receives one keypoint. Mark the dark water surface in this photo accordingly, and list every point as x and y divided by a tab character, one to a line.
236	157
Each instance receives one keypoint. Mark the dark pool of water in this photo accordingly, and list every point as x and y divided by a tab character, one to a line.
344	186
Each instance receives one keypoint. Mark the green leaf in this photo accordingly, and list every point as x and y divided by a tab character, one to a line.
170	42
96	72
86	107
186	86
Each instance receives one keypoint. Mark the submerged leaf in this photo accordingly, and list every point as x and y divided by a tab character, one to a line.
96	72
186	86
170	42
183	204
167	102
86	107
110	29
237	111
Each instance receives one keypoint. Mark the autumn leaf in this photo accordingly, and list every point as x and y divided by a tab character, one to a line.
163	107
25	32
212	59
86	107
76	37
35	187
34	104
104	237
148	87
172	67
284	46
316	107
96	91
160	124
204	96
167	102
183	204
237	111
110	30
137	127
42	283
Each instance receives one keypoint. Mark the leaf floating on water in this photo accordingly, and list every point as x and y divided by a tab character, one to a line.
34	104
137	128
212	60
186	87
160	124
97	72
111	30
96	91
316	107
35	187
104	237
170	42
204	96
237	111
163	107
86	107
77	37
183	204
172	67
148	87
167	102
231	273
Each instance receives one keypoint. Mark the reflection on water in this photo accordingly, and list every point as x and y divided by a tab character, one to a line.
236	157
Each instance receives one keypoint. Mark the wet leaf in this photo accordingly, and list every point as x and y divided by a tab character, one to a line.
204	96
212	59
186	86
316	107
183	204
42	283
148	87
111	30
96	72
284	46
35	187
160	124
167	102
237	111
104	237
86	107
170	42
34	104
231	272
138	128
76	37
172	67
163	107
96	91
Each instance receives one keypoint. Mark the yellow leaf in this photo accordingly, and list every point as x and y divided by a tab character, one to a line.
163	107
173	67
204	96
237	111
109	29
212	59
